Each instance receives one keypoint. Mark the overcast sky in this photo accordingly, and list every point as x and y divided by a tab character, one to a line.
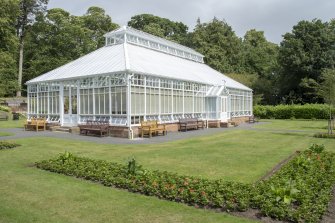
274	17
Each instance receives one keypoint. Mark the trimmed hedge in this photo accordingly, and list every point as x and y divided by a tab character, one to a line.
299	192
307	111
7	145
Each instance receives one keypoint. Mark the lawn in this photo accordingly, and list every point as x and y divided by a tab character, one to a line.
32	195
293	124
12	124
5	134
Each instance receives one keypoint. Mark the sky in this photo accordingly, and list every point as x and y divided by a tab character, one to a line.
274	17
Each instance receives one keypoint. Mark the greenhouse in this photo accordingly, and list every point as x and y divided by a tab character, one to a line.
137	76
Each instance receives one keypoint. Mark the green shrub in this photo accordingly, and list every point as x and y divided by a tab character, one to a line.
324	135
7	145
4	108
301	190
307	111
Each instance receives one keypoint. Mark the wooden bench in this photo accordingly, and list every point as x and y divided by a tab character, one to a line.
190	123
100	128
3	116
35	124
253	119
151	128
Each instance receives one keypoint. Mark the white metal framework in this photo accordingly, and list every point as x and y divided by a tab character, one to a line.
135	77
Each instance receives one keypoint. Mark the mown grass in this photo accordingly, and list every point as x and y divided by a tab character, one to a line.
294	124
5	134
12	124
32	195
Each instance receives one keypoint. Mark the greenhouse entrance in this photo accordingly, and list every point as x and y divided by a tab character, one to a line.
70	113
224	116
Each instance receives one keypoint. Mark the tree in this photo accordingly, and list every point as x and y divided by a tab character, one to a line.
162	27
28	10
260	57
327	92
57	37
99	23
304	53
219	44
260	54
9	11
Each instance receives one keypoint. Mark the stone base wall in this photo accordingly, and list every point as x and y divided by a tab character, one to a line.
119	131
49	126
240	120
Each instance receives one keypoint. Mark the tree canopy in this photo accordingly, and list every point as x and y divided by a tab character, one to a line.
162	27
291	72
303	54
9	11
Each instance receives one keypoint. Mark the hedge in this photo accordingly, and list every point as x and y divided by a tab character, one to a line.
307	111
299	192
7	145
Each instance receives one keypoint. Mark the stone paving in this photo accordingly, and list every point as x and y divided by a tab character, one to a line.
171	136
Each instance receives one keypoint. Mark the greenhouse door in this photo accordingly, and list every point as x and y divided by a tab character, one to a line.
224	106
70	117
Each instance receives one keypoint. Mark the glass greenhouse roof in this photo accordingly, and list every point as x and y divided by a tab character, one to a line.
134	58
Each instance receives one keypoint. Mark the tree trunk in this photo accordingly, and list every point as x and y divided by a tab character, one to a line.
18	93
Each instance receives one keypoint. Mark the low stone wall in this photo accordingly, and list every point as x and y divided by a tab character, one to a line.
119	131
240	120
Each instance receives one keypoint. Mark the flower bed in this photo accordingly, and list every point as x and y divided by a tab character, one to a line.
7	145
228	196
299	192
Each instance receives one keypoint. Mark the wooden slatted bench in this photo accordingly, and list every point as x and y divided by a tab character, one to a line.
151	128
190	123
35	124
99	128
3	116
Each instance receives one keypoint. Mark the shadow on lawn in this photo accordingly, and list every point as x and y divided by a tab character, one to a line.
300	134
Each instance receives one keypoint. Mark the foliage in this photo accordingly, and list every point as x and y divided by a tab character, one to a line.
301	190
7	145
290	194
4	108
9	11
324	135
327	87
191	190
315	148
99	23
307	111
220	45
58	37
162	27
29	9
303	54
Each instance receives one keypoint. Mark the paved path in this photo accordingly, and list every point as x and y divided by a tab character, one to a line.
172	136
